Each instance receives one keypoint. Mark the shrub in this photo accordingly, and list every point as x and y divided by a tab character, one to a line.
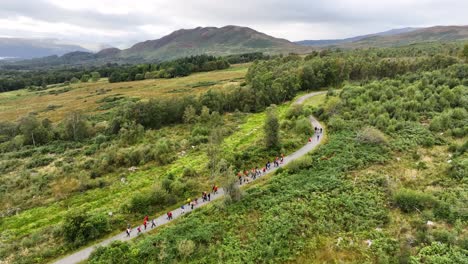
458	169
80	227
409	200
303	126
372	136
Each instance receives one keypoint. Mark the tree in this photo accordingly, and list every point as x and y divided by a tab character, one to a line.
85	78
465	52
271	128
76	127
95	76
28	126
229	181
74	80
190	115
213	150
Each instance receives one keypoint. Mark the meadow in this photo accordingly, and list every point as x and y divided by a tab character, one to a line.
55	102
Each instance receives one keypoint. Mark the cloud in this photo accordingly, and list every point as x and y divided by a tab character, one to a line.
125	21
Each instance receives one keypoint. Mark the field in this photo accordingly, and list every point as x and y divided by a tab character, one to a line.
44	192
55	102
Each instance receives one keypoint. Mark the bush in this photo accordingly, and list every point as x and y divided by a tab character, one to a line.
458	169
80	227
303	126
371	135
409	200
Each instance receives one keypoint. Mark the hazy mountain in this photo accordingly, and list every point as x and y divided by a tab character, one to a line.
21	48
328	42
181	43
437	33
209	40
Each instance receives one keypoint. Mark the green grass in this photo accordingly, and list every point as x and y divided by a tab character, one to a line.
247	132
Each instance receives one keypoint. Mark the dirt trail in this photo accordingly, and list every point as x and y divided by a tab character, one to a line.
83	254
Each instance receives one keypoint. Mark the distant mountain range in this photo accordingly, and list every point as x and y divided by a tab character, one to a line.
217	41
22	48
329	42
395	37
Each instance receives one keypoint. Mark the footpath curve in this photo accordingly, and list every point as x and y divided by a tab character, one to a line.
84	253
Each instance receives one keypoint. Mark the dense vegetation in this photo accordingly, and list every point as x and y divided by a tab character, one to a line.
338	204
394	102
14	78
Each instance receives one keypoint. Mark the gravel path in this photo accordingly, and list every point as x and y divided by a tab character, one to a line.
84	253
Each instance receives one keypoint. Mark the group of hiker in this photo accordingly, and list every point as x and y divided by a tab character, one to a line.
206	197
318	132
244	177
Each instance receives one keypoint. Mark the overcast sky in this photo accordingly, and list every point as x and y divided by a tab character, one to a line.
124	22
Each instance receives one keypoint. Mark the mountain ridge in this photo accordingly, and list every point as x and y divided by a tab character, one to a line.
27	48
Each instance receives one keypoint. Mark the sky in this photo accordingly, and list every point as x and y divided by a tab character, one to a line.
122	23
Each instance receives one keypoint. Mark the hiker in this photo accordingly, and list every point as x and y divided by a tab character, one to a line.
213	189
153	223
146	218
139	230
183	209
216	189
188	201
169	215
264	170
191	205
318	136
145	224
203	196
128	232
315	128
209	196
320	130
310	139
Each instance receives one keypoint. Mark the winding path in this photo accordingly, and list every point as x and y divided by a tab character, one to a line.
83	254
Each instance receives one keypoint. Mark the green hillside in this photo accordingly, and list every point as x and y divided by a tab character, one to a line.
80	161
209	40
431	34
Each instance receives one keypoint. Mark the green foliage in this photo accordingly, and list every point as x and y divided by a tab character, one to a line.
439	253
459	168
411	201
372	136
80	227
271	128
303	126
95	76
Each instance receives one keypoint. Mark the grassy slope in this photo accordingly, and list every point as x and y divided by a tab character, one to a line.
38	221
85	96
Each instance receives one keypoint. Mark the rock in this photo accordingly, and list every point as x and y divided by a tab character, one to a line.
430	223
339	241
449	161
378	229
123	180
133	168
398	159
369	242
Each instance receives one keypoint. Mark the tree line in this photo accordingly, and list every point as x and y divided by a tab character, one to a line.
14	79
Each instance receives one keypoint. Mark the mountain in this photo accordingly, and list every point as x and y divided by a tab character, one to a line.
329	42
22	48
209	40
181	43
430	34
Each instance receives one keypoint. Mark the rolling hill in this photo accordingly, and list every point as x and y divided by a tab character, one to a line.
208	40
431	34
181	43
328	42
22	48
